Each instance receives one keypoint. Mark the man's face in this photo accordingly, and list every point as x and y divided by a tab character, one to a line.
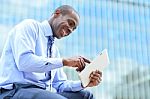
65	25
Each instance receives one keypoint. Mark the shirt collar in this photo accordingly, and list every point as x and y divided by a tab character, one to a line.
47	28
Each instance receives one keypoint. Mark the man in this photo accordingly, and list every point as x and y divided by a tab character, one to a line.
30	62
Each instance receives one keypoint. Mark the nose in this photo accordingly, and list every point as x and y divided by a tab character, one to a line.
70	30
65	34
67	31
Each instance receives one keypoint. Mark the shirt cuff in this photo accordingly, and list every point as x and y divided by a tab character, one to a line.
54	62
77	86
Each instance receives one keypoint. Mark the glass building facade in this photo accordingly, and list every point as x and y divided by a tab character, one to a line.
120	26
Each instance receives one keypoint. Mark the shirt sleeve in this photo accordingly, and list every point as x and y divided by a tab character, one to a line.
23	48
61	84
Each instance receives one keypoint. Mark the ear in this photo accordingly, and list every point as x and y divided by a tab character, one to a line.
57	13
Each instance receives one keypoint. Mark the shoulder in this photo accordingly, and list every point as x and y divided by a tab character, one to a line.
29	24
28	27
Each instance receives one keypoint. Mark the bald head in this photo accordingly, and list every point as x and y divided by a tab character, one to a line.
65	9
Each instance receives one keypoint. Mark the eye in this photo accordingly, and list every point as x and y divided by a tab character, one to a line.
71	23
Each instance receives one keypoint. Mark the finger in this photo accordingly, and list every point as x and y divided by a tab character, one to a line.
91	75
96	75
99	72
77	70
99	80
94	78
82	62
79	65
96	81
86	60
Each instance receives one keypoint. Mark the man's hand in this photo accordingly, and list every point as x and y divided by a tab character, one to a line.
78	62
95	78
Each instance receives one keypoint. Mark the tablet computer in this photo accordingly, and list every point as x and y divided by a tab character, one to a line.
99	63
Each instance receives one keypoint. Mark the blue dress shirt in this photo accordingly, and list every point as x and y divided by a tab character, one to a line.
24	58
